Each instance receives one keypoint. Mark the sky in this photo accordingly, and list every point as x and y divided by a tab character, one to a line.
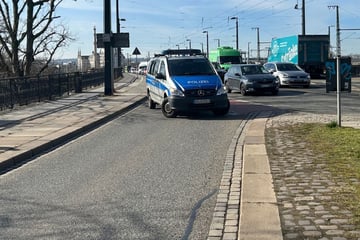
155	25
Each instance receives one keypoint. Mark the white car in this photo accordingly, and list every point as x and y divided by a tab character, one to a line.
289	74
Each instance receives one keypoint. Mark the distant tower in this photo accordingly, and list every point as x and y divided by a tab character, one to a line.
79	62
96	62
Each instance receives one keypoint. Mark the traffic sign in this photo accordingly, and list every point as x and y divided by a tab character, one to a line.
120	40
136	52
115	39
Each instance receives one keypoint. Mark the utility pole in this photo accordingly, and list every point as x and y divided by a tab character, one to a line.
207	43
302	16
237	31
108	81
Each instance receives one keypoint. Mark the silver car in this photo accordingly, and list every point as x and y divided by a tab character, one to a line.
289	74
250	78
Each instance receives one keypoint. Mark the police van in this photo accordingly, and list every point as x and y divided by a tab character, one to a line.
183	81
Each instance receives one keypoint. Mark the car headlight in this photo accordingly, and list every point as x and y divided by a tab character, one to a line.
221	90
176	92
284	75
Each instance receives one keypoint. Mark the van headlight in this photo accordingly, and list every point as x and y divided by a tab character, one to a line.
221	90
176	92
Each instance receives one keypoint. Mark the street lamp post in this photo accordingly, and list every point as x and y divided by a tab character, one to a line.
189	40
258	42
207	43
237	31
248	53
218	41
118	19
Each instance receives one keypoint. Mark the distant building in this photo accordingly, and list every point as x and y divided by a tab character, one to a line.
93	61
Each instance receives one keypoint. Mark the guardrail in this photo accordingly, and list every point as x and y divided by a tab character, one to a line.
26	90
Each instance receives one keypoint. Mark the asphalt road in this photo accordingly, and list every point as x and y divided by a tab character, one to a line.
313	100
142	176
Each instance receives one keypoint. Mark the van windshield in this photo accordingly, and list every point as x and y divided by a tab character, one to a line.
230	59
188	66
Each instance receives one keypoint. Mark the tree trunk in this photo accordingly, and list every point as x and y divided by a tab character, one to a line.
29	55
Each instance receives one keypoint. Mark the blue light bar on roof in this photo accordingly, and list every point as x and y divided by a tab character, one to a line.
188	52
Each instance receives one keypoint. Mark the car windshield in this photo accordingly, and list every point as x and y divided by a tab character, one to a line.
253	69
181	67
287	67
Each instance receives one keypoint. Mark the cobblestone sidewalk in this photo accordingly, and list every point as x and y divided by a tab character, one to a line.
304	188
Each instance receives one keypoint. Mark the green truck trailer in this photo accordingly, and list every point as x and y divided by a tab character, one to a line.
310	52
225	56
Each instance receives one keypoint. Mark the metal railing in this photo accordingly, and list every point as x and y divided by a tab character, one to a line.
25	90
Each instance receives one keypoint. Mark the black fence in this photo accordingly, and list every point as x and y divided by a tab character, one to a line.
26	90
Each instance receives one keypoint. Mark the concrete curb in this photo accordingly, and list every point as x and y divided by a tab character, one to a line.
259	214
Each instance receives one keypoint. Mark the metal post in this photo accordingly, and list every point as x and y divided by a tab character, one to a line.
108	81
338	55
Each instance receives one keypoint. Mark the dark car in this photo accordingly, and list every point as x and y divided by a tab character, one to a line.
220	71
250	78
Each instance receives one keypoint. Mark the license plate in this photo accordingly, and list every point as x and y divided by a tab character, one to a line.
266	85
201	101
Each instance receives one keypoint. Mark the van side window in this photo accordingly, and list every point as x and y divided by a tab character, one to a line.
151	68
156	66
162	68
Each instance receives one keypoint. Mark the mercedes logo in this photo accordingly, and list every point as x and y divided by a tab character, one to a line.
201	92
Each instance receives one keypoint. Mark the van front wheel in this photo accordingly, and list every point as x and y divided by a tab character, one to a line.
151	103
222	111
167	110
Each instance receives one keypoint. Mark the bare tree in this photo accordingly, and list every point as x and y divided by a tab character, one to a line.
29	32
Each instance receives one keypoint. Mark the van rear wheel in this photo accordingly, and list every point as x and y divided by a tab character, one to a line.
167	110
